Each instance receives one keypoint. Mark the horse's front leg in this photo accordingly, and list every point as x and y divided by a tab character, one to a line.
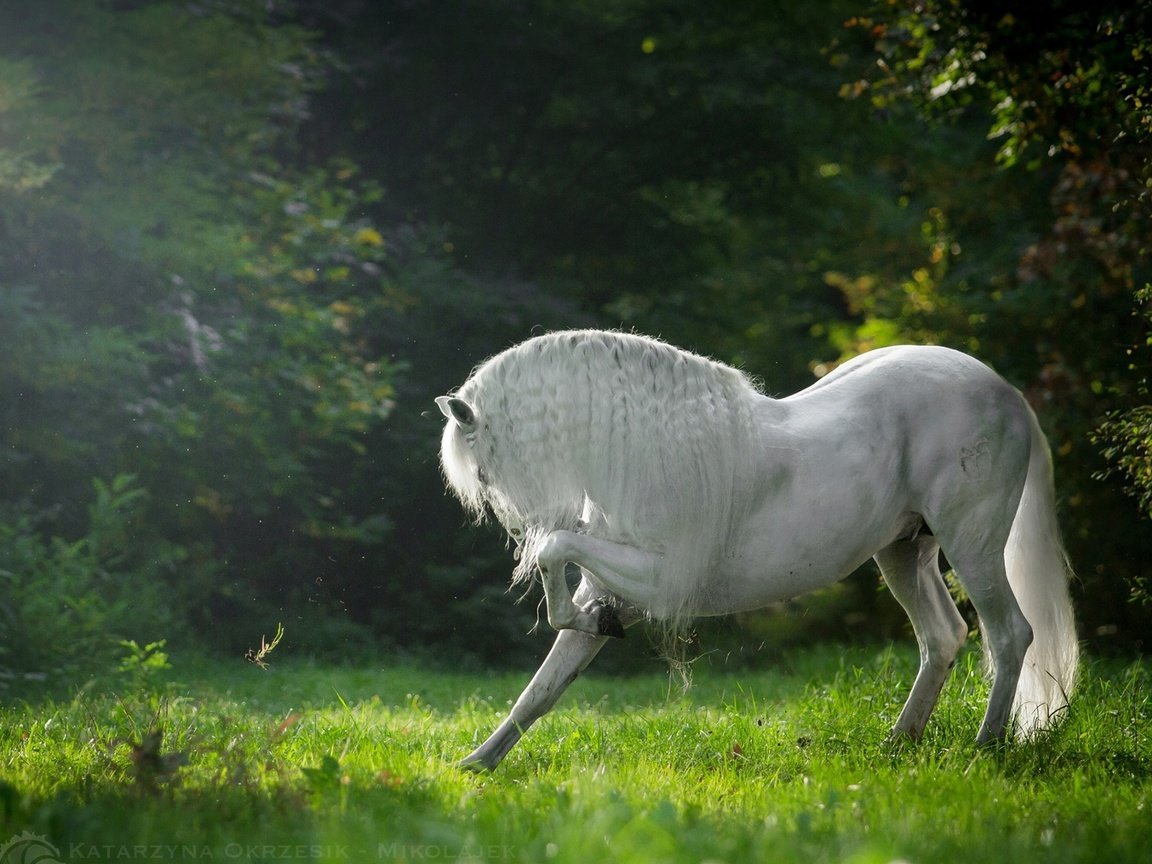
625	571
570	655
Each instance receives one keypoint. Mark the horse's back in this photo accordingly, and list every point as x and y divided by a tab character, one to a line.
919	384
915	366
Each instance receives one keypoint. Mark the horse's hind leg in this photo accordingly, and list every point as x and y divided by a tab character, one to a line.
1006	630
911	569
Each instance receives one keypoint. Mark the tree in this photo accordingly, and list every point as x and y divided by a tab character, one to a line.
1062	91
672	166
245	243
184	304
688	169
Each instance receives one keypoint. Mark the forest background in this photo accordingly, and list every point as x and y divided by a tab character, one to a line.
245	243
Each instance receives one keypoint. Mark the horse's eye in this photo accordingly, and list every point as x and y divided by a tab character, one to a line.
481	476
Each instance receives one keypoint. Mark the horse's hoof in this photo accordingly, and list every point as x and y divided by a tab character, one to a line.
897	740
474	766
608	620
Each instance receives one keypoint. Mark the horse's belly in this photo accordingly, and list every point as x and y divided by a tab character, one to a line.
800	557
744	589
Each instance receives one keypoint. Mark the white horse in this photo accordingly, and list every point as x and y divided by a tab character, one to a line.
681	490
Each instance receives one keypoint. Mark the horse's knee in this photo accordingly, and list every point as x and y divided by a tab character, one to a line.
555	550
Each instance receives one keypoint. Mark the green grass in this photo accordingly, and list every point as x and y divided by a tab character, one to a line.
788	763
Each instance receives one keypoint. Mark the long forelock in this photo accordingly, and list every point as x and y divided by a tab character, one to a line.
459	468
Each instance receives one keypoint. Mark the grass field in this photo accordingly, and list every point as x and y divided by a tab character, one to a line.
787	763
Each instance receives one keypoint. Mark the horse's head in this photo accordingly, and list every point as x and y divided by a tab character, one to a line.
462	468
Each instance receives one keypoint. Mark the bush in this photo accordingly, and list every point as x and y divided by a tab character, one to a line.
67	604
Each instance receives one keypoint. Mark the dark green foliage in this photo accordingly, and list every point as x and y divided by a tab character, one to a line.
244	244
68	604
1062	94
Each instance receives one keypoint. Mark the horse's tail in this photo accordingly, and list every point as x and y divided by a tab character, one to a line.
1039	572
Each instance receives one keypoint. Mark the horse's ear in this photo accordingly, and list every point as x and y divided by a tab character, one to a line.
457	409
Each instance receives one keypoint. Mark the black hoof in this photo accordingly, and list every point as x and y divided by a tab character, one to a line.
608	620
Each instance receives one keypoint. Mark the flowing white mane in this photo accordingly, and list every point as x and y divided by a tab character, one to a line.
622	436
